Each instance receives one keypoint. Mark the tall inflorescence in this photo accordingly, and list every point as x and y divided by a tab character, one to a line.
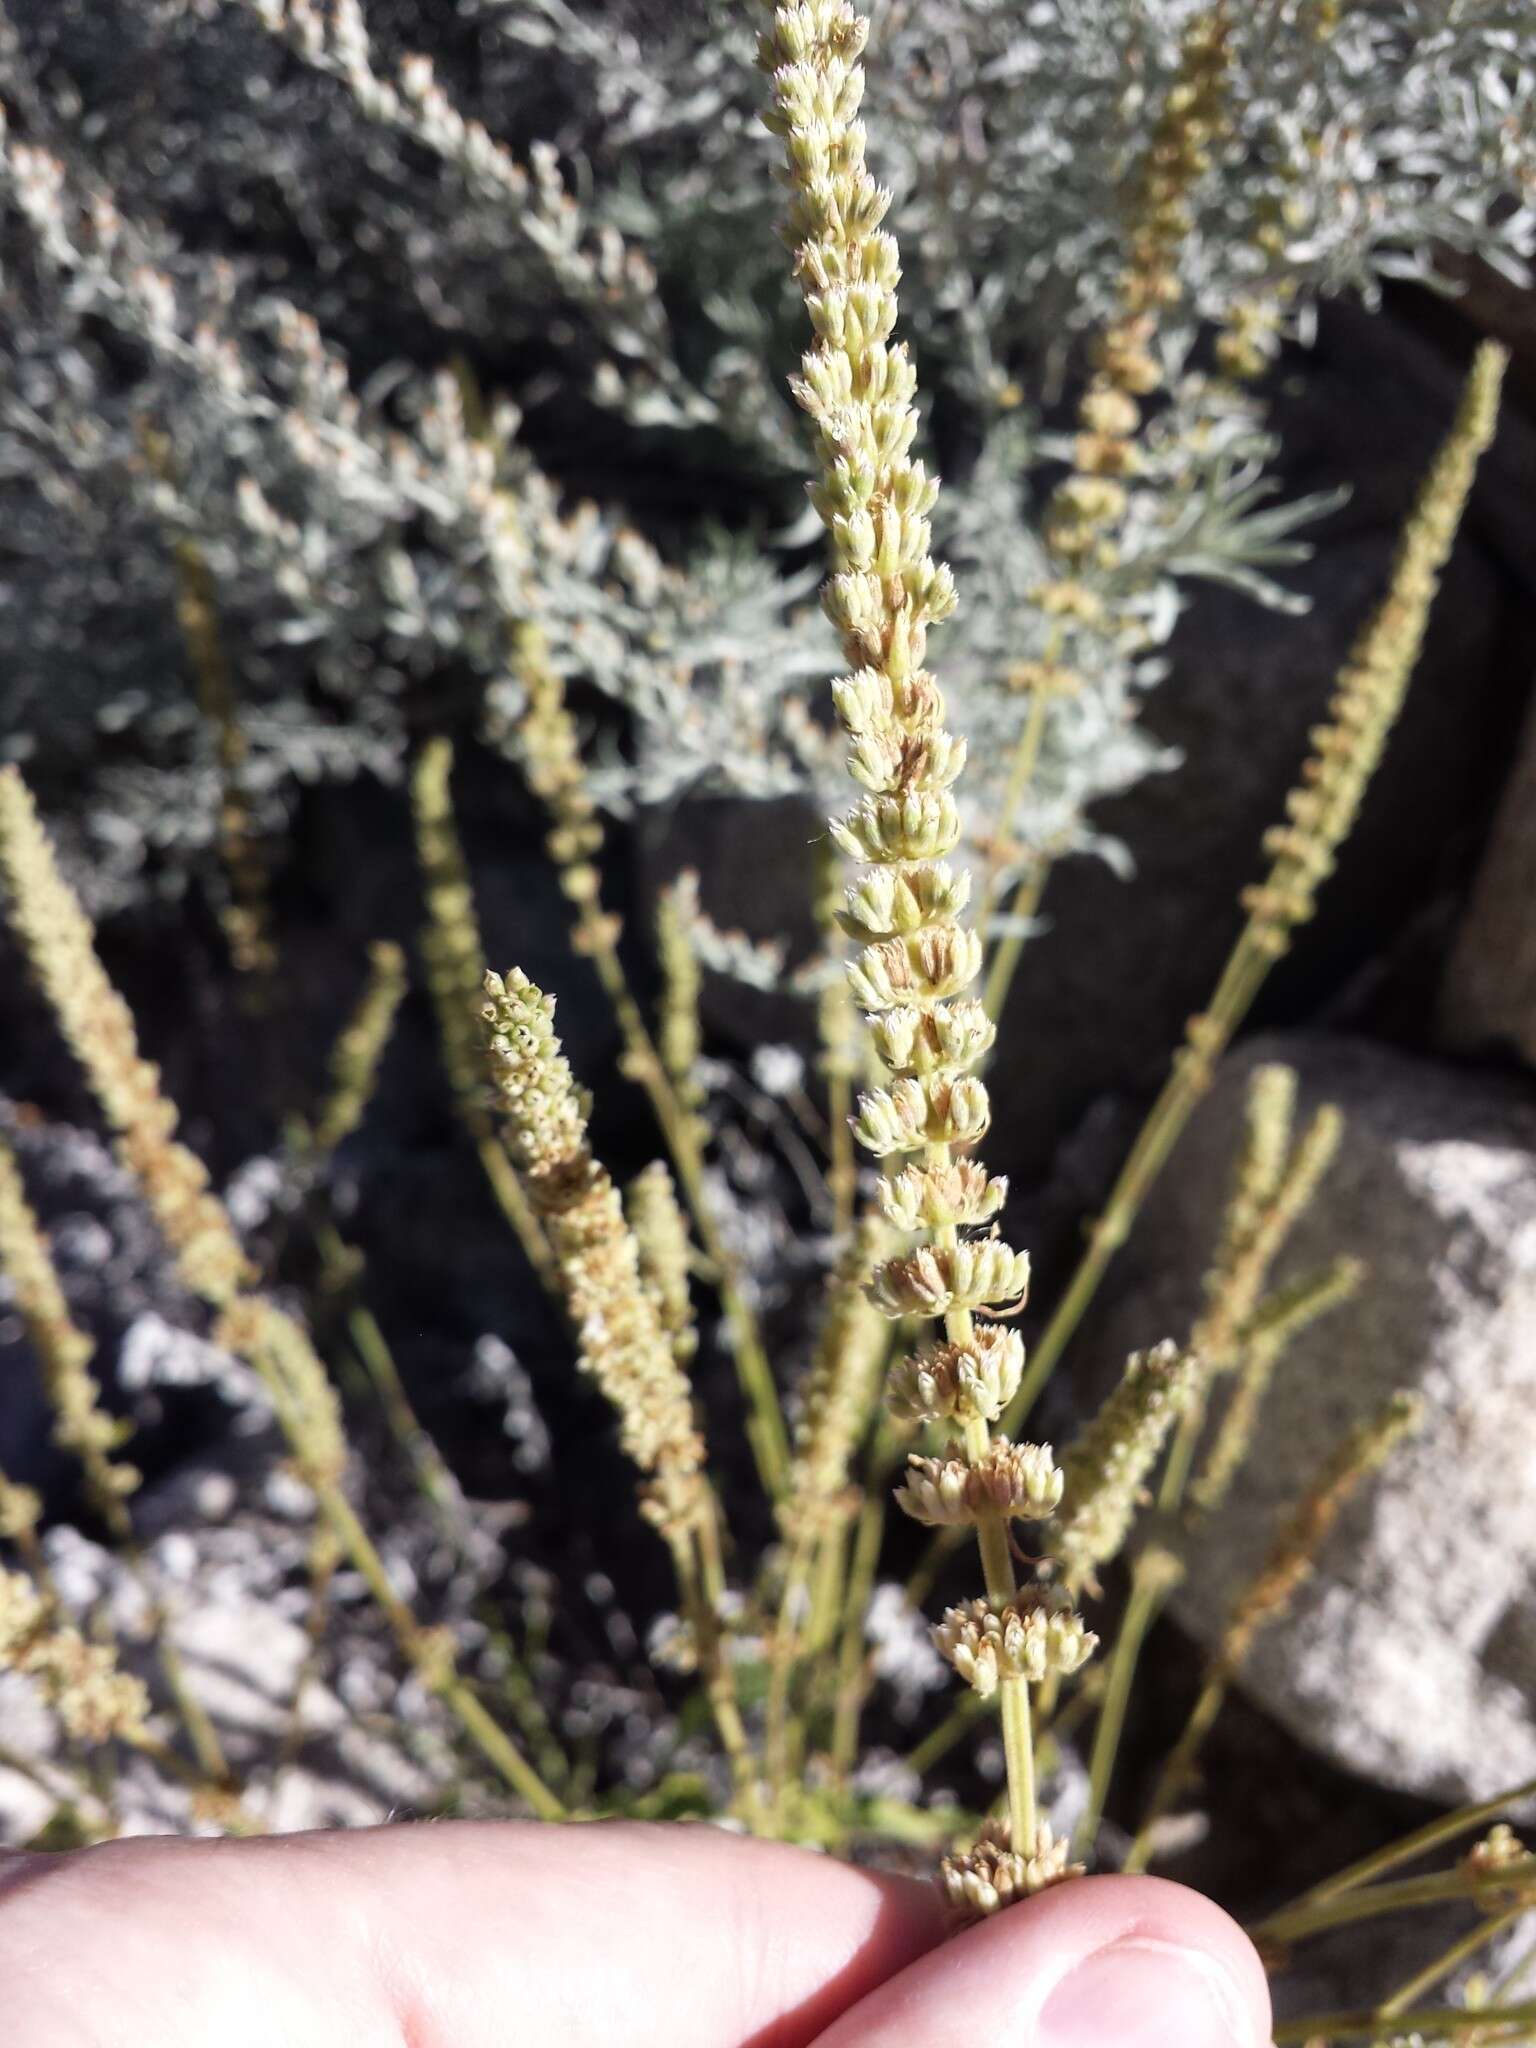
1087	510
357	1053
81	1425
1370	689
60	946
1107	1467
916	959
624	1340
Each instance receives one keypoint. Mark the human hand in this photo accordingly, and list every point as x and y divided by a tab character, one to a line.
471	1934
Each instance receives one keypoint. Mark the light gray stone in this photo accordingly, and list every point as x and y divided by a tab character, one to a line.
1411	1655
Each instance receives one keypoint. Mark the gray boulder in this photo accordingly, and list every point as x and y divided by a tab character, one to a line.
1410	1657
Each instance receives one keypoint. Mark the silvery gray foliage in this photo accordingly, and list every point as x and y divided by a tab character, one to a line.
215	209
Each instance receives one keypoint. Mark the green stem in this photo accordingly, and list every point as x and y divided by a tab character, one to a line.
1445	1828
427	1658
939	1741
1142	1609
1010	948
783	1656
340	1268
1181	1457
512	1200
1180	1763
1026	758
427	1465
1013	1702
852	1663
1188	1081
1019	1756
698	1567
1438	2020
1295	1922
1450	1960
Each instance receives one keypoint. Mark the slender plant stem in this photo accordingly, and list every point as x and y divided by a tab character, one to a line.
842	1171
1026	758
426	1461
1180	1763
1439	2020
1013	1692
852	1663
941	1739
493	1742
827	1588
190	1711
695	1573
1181	1455
765	1422
1433	1835
1372	1901
340	1267
1141	1611
787	1638
1010	948
1188	1081
1450	1960
515	1206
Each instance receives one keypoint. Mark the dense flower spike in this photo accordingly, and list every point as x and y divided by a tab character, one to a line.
57	938
1370	689
917	960
624	1344
61	947
357	1053
661	1235
81	1425
95	1702
1109	1463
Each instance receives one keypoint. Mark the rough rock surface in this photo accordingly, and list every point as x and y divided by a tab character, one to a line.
1489	995
306	1750
1411	1656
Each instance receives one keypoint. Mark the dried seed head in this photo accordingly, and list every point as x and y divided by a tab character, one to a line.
936	1278
1032	1637
962	1383
1017	1481
959	1192
992	1875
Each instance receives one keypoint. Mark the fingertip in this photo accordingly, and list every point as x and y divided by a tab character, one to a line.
1107	1962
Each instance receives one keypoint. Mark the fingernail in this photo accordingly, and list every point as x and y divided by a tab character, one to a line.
1142	1993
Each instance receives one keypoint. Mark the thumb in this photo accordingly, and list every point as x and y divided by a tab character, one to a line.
1102	1962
